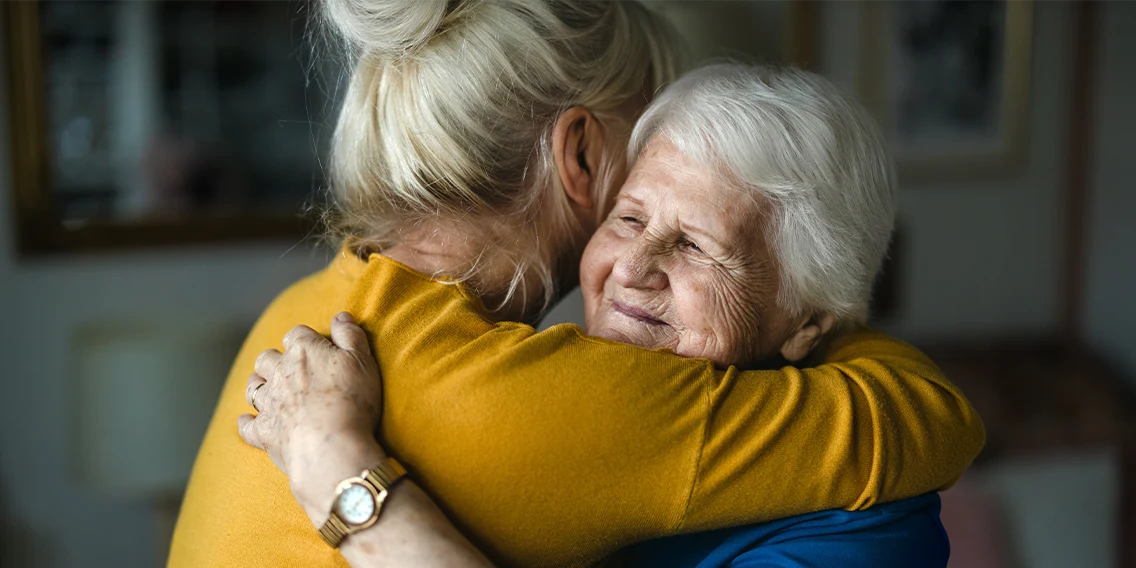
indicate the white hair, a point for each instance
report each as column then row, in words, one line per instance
column 814, row 153
column 450, row 109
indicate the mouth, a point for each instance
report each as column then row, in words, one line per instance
column 637, row 314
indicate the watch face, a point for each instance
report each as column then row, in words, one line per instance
column 355, row 505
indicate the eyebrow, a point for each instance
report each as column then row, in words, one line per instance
column 624, row 197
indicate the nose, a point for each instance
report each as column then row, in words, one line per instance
column 639, row 267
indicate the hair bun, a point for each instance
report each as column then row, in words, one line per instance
column 389, row 28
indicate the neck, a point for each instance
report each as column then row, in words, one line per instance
column 435, row 253
column 438, row 249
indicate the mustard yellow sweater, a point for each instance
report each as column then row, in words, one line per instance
column 556, row 448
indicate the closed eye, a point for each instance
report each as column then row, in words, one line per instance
column 631, row 221
column 689, row 245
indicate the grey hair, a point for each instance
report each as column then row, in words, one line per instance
column 450, row 109
column 814, row 153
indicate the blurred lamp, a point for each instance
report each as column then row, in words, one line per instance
column 143, row 391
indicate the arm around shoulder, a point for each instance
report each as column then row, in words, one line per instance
column 603, row 435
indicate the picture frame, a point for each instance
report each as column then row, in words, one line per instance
column 949, row 83
column 44, row 218
column 44, row 221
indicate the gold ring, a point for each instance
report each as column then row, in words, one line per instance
column 252, row 397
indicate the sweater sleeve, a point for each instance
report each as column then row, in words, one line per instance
column 876, row 422
column 559, row 448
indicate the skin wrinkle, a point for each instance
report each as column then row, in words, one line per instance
column 690, row 252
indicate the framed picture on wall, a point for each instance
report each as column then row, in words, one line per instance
column 142, row 124
column 949, row 83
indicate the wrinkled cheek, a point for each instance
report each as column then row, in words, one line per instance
column 744, row 345
column 597, row 262
column 592, row 276
column 734, row 323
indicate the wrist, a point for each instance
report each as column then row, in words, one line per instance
column 339, row 458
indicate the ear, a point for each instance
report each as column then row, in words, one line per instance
column 807, row 337
column 577, row 145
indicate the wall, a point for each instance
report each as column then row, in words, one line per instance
column 981, row 259
column 1110, row 290
column 46, row 518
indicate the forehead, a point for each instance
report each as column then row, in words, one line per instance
column 665, row 180
column 662, row 164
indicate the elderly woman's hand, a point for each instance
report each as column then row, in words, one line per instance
column 318, row 404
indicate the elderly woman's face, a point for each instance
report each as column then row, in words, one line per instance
column 682, row 263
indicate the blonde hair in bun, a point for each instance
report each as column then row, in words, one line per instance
column 390, row 28
column 449, row 114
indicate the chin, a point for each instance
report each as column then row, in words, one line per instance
column 608, row 333
column 630, row 336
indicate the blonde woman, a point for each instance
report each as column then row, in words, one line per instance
column 483, row 145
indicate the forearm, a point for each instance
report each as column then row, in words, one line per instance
column 411, row 530
column 849, row 434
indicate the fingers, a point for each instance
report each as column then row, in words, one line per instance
column 299, row 336
column 246, row 426
column 267, row 362
column 346, row 334
column 302, row 334
column 255, row 382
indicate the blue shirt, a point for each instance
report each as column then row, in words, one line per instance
column 903, row 534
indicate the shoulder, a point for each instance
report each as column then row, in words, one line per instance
column 309, row 299
column 893, row 535
column 863, row 342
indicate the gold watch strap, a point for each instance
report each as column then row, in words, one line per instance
column 333, row 531
column 386, row 474
column 382, row 478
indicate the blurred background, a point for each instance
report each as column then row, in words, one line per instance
column 159, row 162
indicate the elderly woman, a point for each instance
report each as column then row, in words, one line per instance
column 557, row 447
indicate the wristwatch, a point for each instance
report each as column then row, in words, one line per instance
column 358, row 501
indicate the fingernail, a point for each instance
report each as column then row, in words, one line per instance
column 345, row 317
